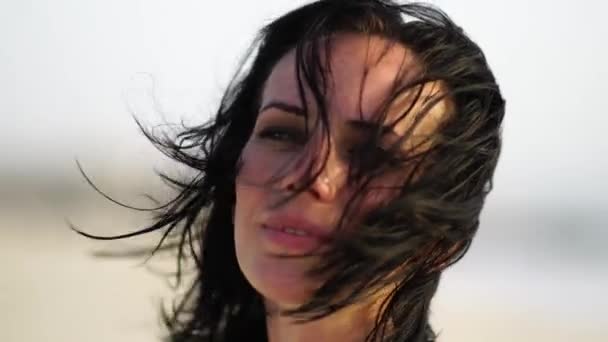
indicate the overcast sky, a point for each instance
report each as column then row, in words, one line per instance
column 71, row 73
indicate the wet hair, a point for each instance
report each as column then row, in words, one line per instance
column 403, row 245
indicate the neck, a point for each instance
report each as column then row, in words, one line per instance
column 350, row 324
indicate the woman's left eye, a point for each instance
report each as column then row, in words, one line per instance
column 375, row 155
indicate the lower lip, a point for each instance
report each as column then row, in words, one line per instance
column 291, row 242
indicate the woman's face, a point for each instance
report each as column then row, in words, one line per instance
column 271, row 237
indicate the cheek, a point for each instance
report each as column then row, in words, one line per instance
column 380, row 192
column 250, row 202
column 251, row 188
column 259, row 164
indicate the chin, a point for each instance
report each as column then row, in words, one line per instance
column 281, row 282
column 282, row 299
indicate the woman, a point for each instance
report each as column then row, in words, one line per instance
column 345, row 169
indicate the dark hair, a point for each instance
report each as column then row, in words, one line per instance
column 406, row 243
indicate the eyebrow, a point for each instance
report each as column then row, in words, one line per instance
column 285, row 107
column 362, row 125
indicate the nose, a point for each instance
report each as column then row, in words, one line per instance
column 331, row 172
column 331, row 179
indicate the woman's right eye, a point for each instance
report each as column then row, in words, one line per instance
column 282, row 134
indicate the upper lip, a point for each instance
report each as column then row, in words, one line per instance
column 297, row 222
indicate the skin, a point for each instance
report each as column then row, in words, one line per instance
column 283, row 282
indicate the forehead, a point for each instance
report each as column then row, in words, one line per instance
column 364, row 73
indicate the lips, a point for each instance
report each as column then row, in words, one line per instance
column 294, row 234
column 297, row 226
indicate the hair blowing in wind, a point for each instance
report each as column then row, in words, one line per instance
column 404, row 244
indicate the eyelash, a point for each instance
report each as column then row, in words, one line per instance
column 282, row 134
column 292, row 136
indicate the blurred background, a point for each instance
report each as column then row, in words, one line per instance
column 72, row 74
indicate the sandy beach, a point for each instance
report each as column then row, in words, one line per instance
column 54, row 289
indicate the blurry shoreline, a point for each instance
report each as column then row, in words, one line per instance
column 526, row 277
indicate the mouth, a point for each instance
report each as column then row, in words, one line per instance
column 290, row 230
column 289, row 235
